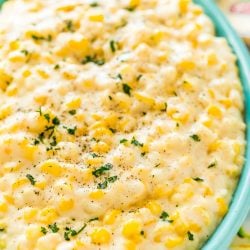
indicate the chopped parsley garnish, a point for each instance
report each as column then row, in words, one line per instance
column 31, row 179
column 126, row 89
column 136, row 143
column 195, row 137
column 142, row 232
column 25, row 52
column 108, row 180
column 113, row 46
column 198, row 179
column 131, row 9
column 71, row 232
column 123, row 140
column 113, row 130
column 94, row 4
column 56, row 121
column 138, row 78
column 164, row 215
column 119, row 76
column 2, row 229
column 72, row 112
column 44, row 230
column 93, row 59
column 212, row 165
column 54, row 228
column 103, row 169
column 242, row 234
column 94, row 155
column 71, row 131
column 42, row 38
column 93, row 219
column 190, row 236
column 47, row 117
column 57, row 66
column 69, row 26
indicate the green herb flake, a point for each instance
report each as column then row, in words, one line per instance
column 136, row 143
column 93, row 219
column 126, row 89
column 102, row 170
column 212, row 165
column 47, row 117
column 72, row 112
column 54, row 228
column 94, row 4
column 31, row 179
column 243, row 234
column 57, row 66
column 113, row 46
column 44, row 230
column 113, row 130
column 71, row 131
column 138, row 78
column 69, row 232
column 190, row 236
column 69, row 26
column 164, row 215
column 56, row 121
column 112, row 179
column 165, row 107
column 195, row 137
column 123, row 141
column 93, row 59
column 102, row 185
column 25, row 52
column 198, row 179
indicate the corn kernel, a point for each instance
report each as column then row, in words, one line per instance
column 186, row 65
column 65, row 205
column 100, row 236
column 96, row 195
column 132, row 229
column 5, row 79
column 214, row 146
column 194, row 227
column 154, row 207
column 3, row 207
column 111, row 216
column 173, row 241
column 134, row 3
column 10, row 199
column 14, row 45
column 222, row 206
column 162, row 231
column 51, row 167
column 19, row 183
column 96, row 18
column 5, row 111
column 144, row 98
column 100, row 147
column 30, row 214
column 74, row 103
column 226, row 102
column 47, row 215
column 130, row 245
column 183, row 5
column 40, row 184
column 33, row 233
column 11, row 167
column 3, row 244
column 215, row 111
column 212, row 59
column 12, row 90
column 43, row 74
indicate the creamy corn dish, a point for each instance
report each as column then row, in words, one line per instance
column 121, row 125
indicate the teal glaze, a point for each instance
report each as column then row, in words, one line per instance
column 240, row 205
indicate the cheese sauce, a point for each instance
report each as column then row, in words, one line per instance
column 120, row 125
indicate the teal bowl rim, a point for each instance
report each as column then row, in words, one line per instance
column 240, row 204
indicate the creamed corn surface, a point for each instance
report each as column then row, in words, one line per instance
column 120, row 125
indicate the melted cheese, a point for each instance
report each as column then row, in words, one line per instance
column 120, row 125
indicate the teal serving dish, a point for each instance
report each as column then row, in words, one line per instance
column 240, row 204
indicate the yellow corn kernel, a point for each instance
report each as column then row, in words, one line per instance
column 194, row 227
column 207, row 122
column 5, row 79
column 100, row 236
column 29, row 151
column 100, row 147
column 3, row 207
column 132, row 229
column 79, row 44
column 130, row 245
column 222, row 206
column 161, row 191
column 33, row 233
column 186, row 65
column 188, row 86
column 10, row 199
column 26, row 73
column 111, row 216
column 40, row 99
column 16, row 57
column 173, row 241
column 99, row 132
column 144, row 98
column 208, row 191
column 47, row 215
column 65, row 205
column 51, row 167
column 67, row 7
column 226, row 102
column 30, row 214
column 215, row 111
column 157, row 36
column 14, row 45
column 154, row 207
column 3, row 244
column 183, row 5
column 74, row 103
column 43, row 74
column 180, row 117
column 40, row 184
column 12, row 90
column 94, row 161
column 134, row 3
column 180, row 227
column 96, row 18
column 96, row 195
column 5, row 111
column 19, row 183
column 214, row 146
column 212, row 59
